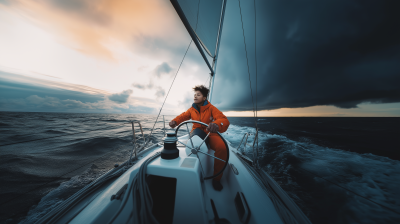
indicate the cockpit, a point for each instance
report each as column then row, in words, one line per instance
column 172, row 184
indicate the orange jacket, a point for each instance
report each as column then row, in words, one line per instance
column 207, row 114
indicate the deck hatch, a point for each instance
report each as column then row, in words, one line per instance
column 163, row 192
column 188, row 163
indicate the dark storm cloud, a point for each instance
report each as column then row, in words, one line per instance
column 341, row 53
column 121, row 97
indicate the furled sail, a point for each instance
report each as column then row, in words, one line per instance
column 203, row 20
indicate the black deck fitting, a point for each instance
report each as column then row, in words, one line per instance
column 170, row 150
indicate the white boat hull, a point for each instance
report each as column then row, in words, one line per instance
column 243, row 198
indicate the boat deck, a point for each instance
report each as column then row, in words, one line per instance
column 242, row 199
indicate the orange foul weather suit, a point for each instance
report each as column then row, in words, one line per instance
column 209, row 114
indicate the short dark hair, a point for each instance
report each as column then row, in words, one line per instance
column 204, row 90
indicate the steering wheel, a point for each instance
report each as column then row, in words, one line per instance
column 196, row 150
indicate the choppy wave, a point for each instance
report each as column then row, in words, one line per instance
column 288, row 161
column 58, row 195
column 54, row 132
column 297, row 165
column 4, row 124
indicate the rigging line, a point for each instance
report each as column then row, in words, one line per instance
column 206, row 81
column 191, row 40
column 168, row 92
column 197, row 19
column 33, row 140
column 209, row 82
column 247, row 59
column 38, row 187
column 198, row 38
column 255, row 58
column 384, row 206
column 255, row 52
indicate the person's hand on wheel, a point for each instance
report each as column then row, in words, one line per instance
column 172, row 124
column 213, row 128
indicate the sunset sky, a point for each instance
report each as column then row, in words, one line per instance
column 120, row 56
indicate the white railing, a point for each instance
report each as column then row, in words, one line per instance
column 255, row 149
column 134, row 146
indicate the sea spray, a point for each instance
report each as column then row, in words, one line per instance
column 296, row 165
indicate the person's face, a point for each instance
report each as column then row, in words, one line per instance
column 198, row 97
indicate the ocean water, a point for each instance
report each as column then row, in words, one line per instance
column 319, row 162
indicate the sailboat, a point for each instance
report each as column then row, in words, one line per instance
column 171, row 181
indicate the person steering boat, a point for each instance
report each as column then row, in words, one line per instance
column 202, row 110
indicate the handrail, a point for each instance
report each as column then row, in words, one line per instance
column 134, row 139
column 163, row 117
column 255, row 151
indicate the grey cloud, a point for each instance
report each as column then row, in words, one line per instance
column 160, row 92
column 16, row 86
column 36, row 103
column 138, row 86
column 22, row 93
column 4, row 2
column 76, row 104
column 35, row 99
column 85, row 9
column 167, row 50
column 339, row 53
column 142, row 86
column 187, row 101
column 161, row 69
column 121, row 97
column 55, row 103
column 71, row 4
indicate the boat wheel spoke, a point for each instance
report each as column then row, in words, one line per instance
column 211, row 156
column 201, row 166
column 187, row 128
column 198, row 148
column 185, row 145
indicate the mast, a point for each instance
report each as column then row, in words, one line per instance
column 183, row 8
column 192, row 34
column 215, row 59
